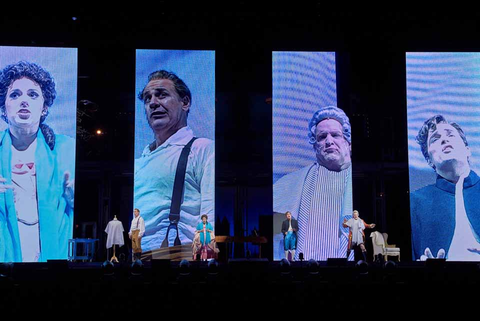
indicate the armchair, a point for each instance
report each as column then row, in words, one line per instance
column 381, row 246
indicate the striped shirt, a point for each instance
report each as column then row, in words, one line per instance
column 321, row 234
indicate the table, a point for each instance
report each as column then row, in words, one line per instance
column 87, row 246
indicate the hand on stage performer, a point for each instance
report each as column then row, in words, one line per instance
column 428, row 254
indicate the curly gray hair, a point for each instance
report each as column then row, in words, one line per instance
column 330, row 112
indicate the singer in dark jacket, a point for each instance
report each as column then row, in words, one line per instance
column 289, row 231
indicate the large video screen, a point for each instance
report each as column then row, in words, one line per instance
column 443, row 109
column 175, row 114
column 38, row 101
column 312, row 177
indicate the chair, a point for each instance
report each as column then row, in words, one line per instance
column 381, row 246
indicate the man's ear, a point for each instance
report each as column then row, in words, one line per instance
column 186, row 103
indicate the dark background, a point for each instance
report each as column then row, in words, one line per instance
column 371, row 86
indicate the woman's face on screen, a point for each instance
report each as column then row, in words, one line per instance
column 24, row 103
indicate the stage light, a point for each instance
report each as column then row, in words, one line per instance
column 362, row 267
column 285, row 265
column 107, row 268
column 184, row 275
column 184, row 267
column 390, row 265
column 6, row 269
column 212, row 266
column 137, row 267
column 99, row 132
column 312, row 266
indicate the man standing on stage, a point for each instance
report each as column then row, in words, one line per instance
column 356, row 235
column 289, row 231
column 319, row 196
column 137, row 229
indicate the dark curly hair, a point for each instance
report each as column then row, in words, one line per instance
column 34, row 72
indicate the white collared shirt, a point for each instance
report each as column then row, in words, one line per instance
column 463, row 237
column 138, row 224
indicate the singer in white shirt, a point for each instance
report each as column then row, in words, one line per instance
column 137, row 229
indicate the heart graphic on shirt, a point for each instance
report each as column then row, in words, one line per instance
column 18, row 168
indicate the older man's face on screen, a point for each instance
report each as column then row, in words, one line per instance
column 332, row 150
column 164, row 108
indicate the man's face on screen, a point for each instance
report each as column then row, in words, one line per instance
column 332, row 150
column 24, row 103
column 164, row 108
column 446, row 147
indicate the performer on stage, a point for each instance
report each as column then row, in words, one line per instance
column 356, row 236
column 289, row 231
column 137, row 229
column 204, row 240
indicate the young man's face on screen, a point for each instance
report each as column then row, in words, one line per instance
column 163, row 106
column 446, row 146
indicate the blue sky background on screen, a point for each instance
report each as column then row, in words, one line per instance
column 446, row 84
column 197, row 69
column 62, row 65
column 302, row 83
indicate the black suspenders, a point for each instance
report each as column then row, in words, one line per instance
column 177, row 193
